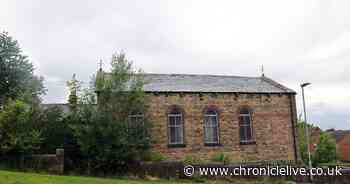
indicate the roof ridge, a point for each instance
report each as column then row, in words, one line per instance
column 212, row 75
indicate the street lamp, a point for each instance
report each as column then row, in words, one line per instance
column 306, row 127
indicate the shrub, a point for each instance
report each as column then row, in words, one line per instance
column 190, row 160
column 153, row 157
column 221, row 157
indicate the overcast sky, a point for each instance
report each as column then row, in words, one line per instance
column 296, row 41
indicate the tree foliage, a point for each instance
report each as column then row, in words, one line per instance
column 120, row 91
column 302, row 141
column 102, row 129
column 325, row 150
column 18, row 133
column 54, row 129
column 16, row 76
column 74, row 88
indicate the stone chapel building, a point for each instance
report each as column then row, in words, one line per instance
column 247, row 118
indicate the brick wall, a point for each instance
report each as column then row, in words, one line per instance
column 272, row 118
column 343, row 148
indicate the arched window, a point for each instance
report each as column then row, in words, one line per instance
column 245, row 126
column 175, row 126
column 136, row 123
column 211, row 127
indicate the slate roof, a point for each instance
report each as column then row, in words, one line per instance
column 339, row 134
column 64, row 106
column 211, row 83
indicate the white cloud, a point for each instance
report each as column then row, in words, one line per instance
column 336, row 48
column 295, row 40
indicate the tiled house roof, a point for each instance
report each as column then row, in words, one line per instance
column 339, row 134
column 211, row 83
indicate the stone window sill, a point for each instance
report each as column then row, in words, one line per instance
column 247, row 143
column 212, row 144
column 176, row 145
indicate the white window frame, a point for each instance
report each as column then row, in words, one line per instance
column 211, row 126
column 177, row 126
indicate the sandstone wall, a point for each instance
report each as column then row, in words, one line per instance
column 272, row 125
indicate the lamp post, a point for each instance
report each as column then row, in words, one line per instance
column 306, row 127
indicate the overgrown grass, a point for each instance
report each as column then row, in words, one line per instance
column 8, row 177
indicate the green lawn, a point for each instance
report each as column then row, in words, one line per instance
column 7, row 177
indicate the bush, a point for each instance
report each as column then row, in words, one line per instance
column 153, row 157
column 221, row 157
column 191, row 160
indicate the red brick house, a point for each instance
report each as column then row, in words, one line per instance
column 246, row 118
column 342, row 138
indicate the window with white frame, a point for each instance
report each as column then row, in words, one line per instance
column 211, row 127
column 245, row 126
column 175, row 126
column 136, row 123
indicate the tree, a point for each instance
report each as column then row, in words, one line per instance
column 121, row 91
column 74, row 88
column 302, row 141
column 102, row 130
column 16, row 76
column 325, row 150
column 18, row 134
column 54, row 129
